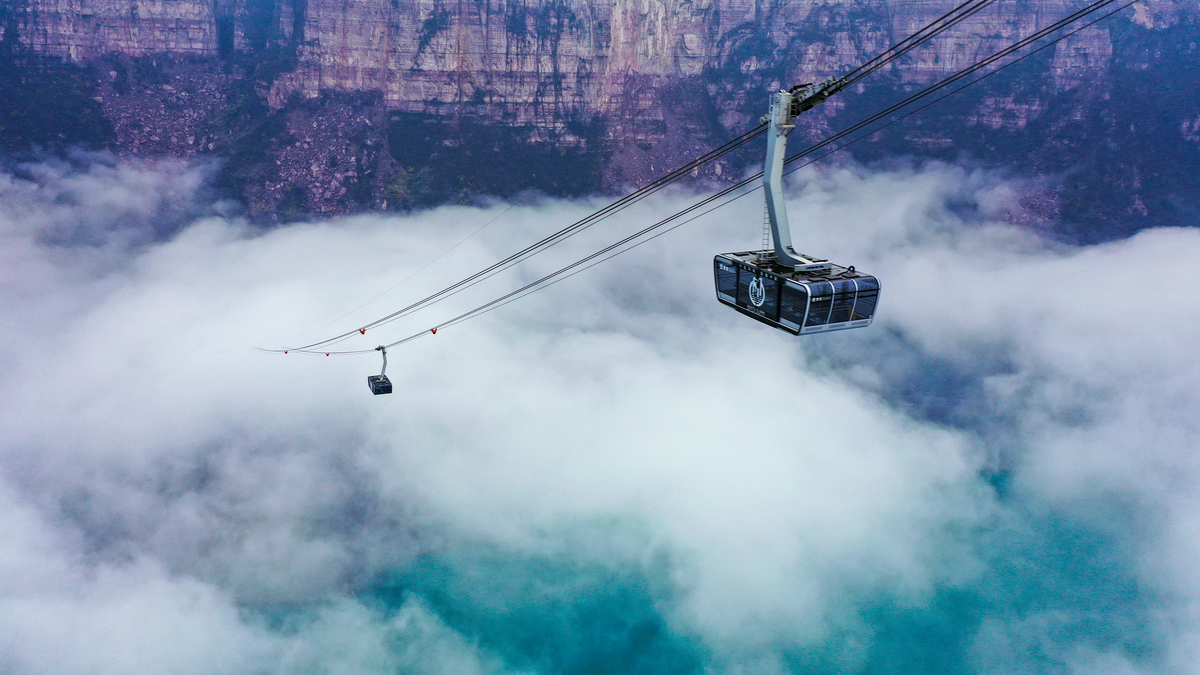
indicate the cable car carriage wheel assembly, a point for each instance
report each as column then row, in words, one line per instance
column 791, row 291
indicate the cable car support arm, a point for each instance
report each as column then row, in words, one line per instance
column 786, row 105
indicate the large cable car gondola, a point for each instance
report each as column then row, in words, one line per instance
column 380, row 384
column 791, row 291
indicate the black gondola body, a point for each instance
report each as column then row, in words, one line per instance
column 821, row 300
column 379, row 384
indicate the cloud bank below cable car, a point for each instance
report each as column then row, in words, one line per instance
column 997, row 475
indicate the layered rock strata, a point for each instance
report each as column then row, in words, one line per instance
column 640, row 84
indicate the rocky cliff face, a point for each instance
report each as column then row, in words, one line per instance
column 333, row 106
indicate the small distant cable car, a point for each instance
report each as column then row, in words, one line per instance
column 780, row 287
column 380, row 384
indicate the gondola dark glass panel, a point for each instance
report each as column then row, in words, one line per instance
column 726, row 281
column 868, row 293
column 758, row 293
column 819, row 304
column 792, row 304
column 745, row 278
column 379, row 384
column 844, row 293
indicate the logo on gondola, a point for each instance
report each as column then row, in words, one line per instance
column 758, row 294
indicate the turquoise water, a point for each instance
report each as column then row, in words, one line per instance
column 1047, row 588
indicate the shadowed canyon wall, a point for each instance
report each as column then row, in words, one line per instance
column 335, row 106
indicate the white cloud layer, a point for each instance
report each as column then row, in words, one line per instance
column 618, row 445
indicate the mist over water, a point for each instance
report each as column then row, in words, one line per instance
column 616, row 474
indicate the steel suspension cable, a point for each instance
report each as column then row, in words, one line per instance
column 1024, row 42
column 546, row 242
column 616, row 206
column 927, row 32
column 812, row 161
column 917, row 35
column 951, row 18
column 558, row 275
